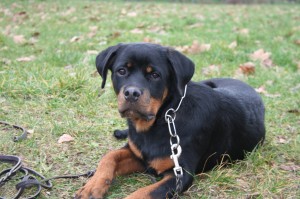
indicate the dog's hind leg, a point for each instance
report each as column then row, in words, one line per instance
column 165, row 188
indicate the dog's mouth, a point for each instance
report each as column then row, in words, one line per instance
column 135, row 114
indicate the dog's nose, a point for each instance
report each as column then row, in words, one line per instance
column 132, row 93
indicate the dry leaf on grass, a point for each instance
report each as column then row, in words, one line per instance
column 19, row 39
column 131, row 14
column 297, row 42
column 76, row 39
column 262, row 90
column 262, row 56
column 93, row 31
column 30, row 131
column 115, row 35
column 137, row 31
column 157, row 29
column 69, row 11
column 92, row 52
column 151, row 40
column 290, row 166
column 247, row 68
column 65, row 138
column 232, row 45
column 211, row 70
column 281, row 139
column 195, row 48
column 195, row 25
column 243, row 31
column 26, row 59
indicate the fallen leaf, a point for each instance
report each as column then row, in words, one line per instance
column 261, row 89
column 30, row 131
column 19, row 39
column 232, row 45
column 69, row 11
column 93, row 28
column 195, row 25
column 260, row 55
column 35, row 34
column 195, row 48
column 26, row 59
column 93, row 31
column 295, row 111
column 280, row 139
column 247, row 68
column 244, row 31
column 151, row 40
column 115, row 35
column 157, row 29
column 297, row 42
column 290, row 166
column 91, row 34
column 137, row 31
column 147, row 40
column 211, row 70
column 5, row 61
column 132, row 14
column 92, row 52
column 267, row 63
column 65, row 138
column 68, row 67
column 75, row 39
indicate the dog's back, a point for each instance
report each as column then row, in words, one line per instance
column 240, row 103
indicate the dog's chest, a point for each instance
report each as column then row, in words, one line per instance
column 154, row 153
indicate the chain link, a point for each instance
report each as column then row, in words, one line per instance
column 176, row 149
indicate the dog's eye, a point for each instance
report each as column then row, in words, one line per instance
column 155, row 75
column 122, row 71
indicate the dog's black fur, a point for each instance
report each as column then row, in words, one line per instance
column 217, row 116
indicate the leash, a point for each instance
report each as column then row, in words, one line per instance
column 30, row 177
column 17, row 138
column 176, row 149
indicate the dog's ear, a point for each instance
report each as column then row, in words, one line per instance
column 104, row 61
column 182, row 67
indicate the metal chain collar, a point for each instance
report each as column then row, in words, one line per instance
column 176, row 149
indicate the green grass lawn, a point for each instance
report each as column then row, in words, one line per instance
column 48, row 84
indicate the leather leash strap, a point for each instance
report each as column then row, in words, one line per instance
column 30, row 177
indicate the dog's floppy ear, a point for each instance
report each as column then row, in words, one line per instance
column 183, row 68
column 105, row 60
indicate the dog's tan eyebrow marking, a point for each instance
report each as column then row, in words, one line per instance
column 149, row 69
column 129, row 64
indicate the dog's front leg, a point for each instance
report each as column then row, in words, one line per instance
column 119, row 162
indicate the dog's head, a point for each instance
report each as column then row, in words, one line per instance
column 143, row 75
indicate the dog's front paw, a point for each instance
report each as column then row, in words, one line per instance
column 93, row 190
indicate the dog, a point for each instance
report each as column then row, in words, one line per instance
column 216, row 120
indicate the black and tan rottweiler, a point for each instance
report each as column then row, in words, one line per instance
column 216, row 117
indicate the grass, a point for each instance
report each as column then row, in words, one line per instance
column 56, row 91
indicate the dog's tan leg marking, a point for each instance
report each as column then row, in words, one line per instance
column 118, row 162
column 145, row 192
